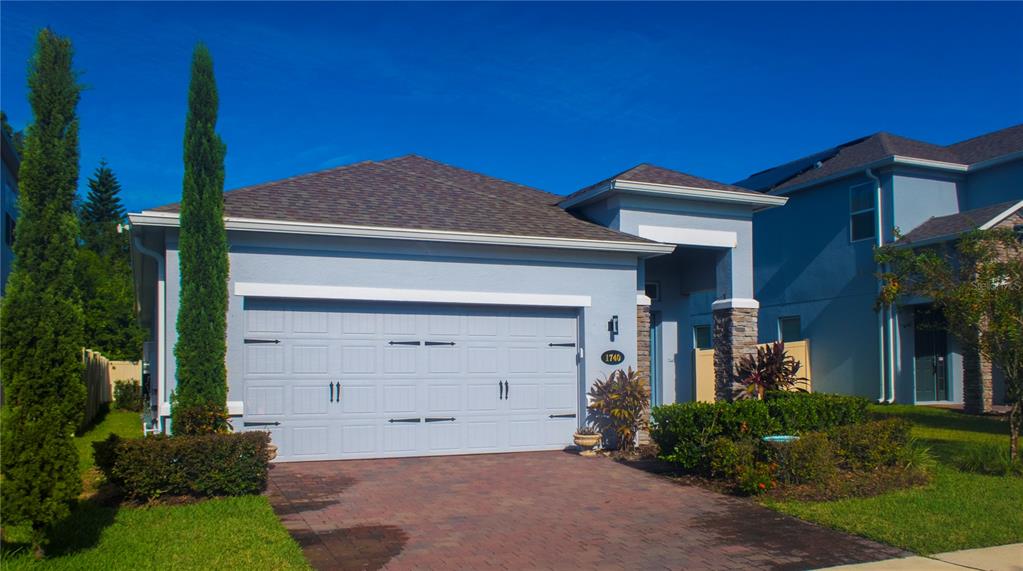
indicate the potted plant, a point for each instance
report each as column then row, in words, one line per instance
column 587, row 438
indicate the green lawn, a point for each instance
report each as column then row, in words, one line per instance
column 226, row 533
column 957, row 510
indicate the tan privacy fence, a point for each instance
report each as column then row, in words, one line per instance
column 703, row 361
column 100, row 376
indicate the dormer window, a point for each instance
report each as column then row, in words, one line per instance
column 862, row 210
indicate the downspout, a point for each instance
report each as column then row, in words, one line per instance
column 879, row 241
column 161, row 318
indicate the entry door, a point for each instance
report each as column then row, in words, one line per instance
column 930, row 355
column 334, row 380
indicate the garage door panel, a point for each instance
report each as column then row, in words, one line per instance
column 310, row 322
column 401, row 437
column 264, row 321
column 482, row 435
column 358, row 398
column 482, row 396
column 555, row 430
column 520, row 326
column 400, row 359
column 523, row 433
column 443, row 359
column 444, row 436
column 264, row 359
column 265, row 399
column 482, row 359
column 443, row 397
column 523, row 359
column 559, row 360
column 309, row 440
column 310, row 399
column 358, row 438
column 310, row 359
column 400, row 398
column 400, row 323
column 523, row 396
column 444, row 325
column 481, row 325
column 358, row 359
column 559, row 397
column 359, row 323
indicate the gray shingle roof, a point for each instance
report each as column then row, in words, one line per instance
column 955, row 224
column 990, row 145
column 414, row 193
column 863, row 151
column 646, row 172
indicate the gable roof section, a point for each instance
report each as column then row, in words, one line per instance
column 654, row 180
column 855, row 153
column 412, row 193
column 991, row 145
column 937, row 228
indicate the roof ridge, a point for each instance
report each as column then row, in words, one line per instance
column 451, row 166
column 989, row 133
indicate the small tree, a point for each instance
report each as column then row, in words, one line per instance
column 978, row 285
column 770, row 369
column 101, row 213
column 200, row 401
column 619, row 404
column 41, row 318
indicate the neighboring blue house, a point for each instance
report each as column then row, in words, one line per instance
column 8, row 209
column 814, row 269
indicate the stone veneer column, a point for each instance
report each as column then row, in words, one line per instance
column 978, row 386
column 735, row 335
column 643, row 357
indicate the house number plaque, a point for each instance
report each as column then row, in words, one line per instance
column 612, row 357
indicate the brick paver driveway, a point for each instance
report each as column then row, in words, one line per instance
column 547, row 510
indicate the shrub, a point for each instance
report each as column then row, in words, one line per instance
column 870, row 445
column 684, row 431
column 205, row 465
column 200, row 419
column 770, row 369
column 128, row 395
column 809, row 412
column 809, row 460
column 989, row 459
column 619, row 403
column 727, row 457
column 756, row 478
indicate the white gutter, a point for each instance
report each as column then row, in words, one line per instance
column 879, row 241
column 674, row 191
column 171, row 219
column 161, row 318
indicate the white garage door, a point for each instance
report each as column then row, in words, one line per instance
column 333, row 380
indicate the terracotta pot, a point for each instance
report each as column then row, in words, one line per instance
column 586, row 441
column 271, row 451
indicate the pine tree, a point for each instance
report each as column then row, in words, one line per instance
column 102, row 212
column 104, row 272
column 41, row 318
column 200, row 401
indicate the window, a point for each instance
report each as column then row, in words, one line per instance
column 861, row 212
column 653, row 291
column 702, row 337
column 789, row 329
column 8, row 230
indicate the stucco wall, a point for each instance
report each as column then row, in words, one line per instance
column 608, row 278
column 993, row 185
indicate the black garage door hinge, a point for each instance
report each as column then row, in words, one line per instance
column 274, row 341
column 561, row 344
column 261, row 423
column 562, row 416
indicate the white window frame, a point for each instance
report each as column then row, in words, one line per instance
column 852, row 213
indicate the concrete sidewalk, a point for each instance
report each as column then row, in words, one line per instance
column 1001, row 558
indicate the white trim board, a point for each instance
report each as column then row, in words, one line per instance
column 1002, row 216
column 689, row 236
column 673, row 191
column 171, row 219
column 302, row 291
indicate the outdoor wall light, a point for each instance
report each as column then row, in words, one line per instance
column 612, row 325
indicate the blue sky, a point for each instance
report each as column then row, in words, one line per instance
column 556, row 96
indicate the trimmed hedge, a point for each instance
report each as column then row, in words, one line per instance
column 684, row 431
column 206, row 465
column 871, row 445
column 809, row 412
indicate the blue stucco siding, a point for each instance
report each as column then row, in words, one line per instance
column 608, row 278
column 993, row 185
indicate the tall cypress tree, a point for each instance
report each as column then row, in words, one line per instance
column 102, row 212
column 41, row 317
column 200, row 401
